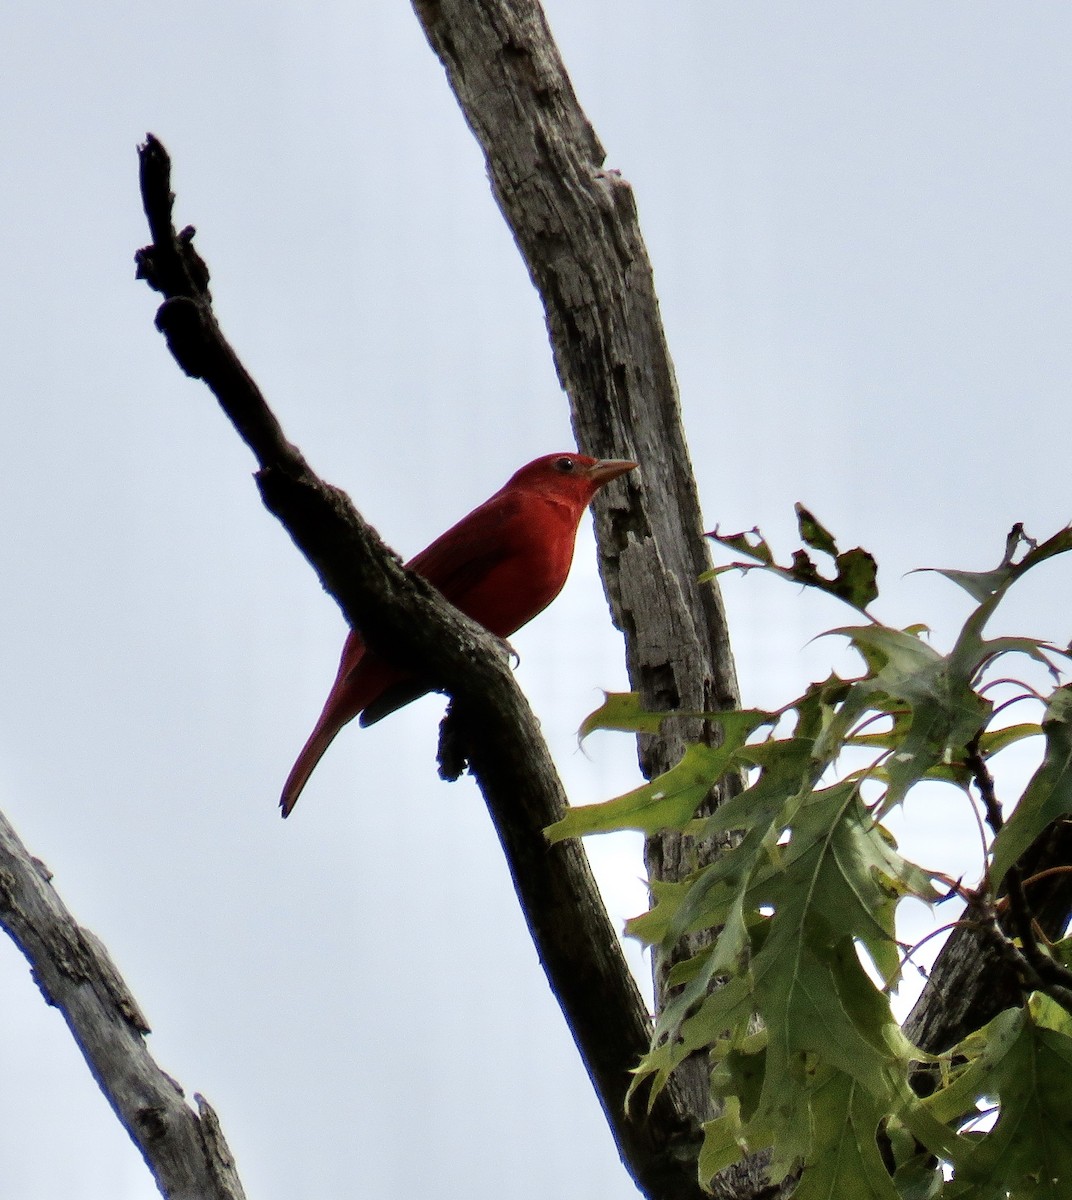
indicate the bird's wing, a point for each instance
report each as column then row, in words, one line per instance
column 391, row 699
column 462, row 558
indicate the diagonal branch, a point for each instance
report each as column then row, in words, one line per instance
column 403, row 619
column 185, row 1150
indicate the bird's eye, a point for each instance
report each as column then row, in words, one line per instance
column 564, row 464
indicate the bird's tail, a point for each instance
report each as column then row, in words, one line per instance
column 344, row 702
column 363, row 681
column 312, row 752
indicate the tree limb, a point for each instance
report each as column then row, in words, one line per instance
column 972, row 980
column 576, row 226
column 407, row 622
column 185, row 1150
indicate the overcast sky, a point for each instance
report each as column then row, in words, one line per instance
column 858, row 216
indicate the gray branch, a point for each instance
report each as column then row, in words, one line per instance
column 185, row 1150
column 575, row 223
column 576, row 226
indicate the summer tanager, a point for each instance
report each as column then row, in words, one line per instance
column 501, row 565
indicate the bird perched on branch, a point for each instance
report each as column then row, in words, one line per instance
column 501, row 565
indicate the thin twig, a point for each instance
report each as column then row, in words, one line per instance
column 984, row 782
column 906, row 958
column 1049, row 873
column 1036, row 968
column 1033, row 968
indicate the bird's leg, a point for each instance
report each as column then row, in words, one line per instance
column 513, row 659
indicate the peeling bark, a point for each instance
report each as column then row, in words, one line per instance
column 185, row 1150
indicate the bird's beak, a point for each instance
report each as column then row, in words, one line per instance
column 609, row 468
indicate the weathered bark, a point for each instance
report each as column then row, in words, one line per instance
column 972, row 982
column 407, row 622
column 185, row 1150
column 576, row 226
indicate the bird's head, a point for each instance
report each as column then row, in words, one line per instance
column 575, row 477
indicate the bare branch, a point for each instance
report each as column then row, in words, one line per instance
column 185, row 1150
column 405, row 621
column 984, row 784
column 172, row 267
column 575, row 223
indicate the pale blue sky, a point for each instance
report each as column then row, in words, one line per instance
column 859, row 218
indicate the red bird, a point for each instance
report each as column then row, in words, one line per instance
column 501, row 565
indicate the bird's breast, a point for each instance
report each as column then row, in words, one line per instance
column 531, row 572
